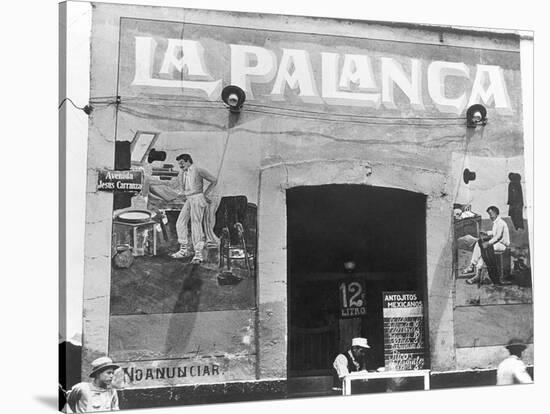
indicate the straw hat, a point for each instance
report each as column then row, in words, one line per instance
column 102, row 364
column 362, row 342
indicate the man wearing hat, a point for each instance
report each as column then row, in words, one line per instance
column 512, row 370
column 355, row 359
column 97, row 395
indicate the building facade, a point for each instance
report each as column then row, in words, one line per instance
column 349, row 192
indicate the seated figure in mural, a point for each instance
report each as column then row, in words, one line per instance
column 512, row 370
column 357, row 358
column 495, row 240
column 97, row 395
column 190, row 182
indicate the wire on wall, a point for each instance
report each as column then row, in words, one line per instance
column 134, row 102
column 87, row 109
column 179, row 101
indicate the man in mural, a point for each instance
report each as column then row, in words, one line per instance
column 191, row 183
column 97, row 395
column 355, row 359
column 495, row 240
column 512, row 370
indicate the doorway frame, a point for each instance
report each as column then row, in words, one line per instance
column 276, row 178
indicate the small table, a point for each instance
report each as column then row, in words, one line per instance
column 150, row 224
column 346, row 383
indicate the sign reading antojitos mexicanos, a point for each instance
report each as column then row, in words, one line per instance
column 403, row 331
column 125, row 181
column 333, row 70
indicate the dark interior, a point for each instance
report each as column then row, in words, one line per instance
column 376, row 227
column 381, row 229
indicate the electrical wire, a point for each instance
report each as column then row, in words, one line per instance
column 353, row 115
column 326, row 118
column 163, row 117
column 182, row 102
column 174, row 106
column 102, row 101
column 71, row 101
column 329, row 118
column 352, row 121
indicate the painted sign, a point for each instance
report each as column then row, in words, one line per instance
column 403, row 331
column 123, row 181
column 198, row 370
column 136, row 374
column 289, row 67
column 352, row 299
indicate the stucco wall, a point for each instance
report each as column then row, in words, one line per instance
column 266, row 154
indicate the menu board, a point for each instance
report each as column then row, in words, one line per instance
column 403, row 331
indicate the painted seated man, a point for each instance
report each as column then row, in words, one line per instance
column 495, row 240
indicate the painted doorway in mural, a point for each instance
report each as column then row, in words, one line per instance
column 382, row 231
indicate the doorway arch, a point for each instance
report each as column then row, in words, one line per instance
column 276, row 179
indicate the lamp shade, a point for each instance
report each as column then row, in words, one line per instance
column 476, row 115
column 234, row 97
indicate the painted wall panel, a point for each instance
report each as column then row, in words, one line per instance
column 492, row 325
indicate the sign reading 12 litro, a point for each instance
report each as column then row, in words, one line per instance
column 352, row 299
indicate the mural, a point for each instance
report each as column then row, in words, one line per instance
column 491, row 257
column 491, row 245
column 180, row 248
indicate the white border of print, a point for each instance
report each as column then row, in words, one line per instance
column 29, row 208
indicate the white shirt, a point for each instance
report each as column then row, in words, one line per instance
column 190, row 182
column 500, row 232
column 512, row 371
column 86, row 397
column 341, row 364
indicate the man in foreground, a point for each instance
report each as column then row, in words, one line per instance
column 355, row 359
column 97, row 395
column 512, row 370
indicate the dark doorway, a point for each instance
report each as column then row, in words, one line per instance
column 383, row 231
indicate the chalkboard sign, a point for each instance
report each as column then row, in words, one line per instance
column 403, row 331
